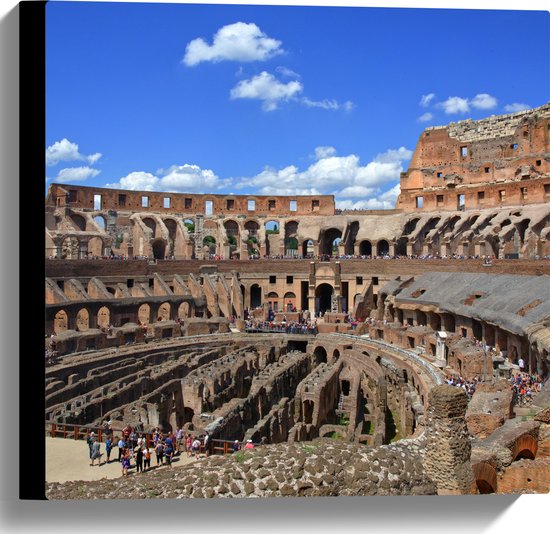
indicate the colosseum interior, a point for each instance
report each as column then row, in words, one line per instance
column 325, row 336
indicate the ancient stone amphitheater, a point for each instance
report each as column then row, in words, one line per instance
column 326, row 337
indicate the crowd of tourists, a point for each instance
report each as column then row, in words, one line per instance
column 285, row 327
column 525, row 386
column 469, row 386
column 139, row 449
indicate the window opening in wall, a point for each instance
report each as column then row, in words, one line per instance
column 375, row 280
column 290, row 279
column 359, row 280
column 345, row 387
column 293, row 205
column 460, row 202
column 230, row 204
column 487, row 170
column 523, row 193
column 188, row 203
column 480, row 196
column 72, row 195
column 97, row 202
column 440, row 175
column 122, row 200
column 514, row 146
column 440, row 200
column 151, row 282
column 409, row 321
column 271, row 205
column 463, row 151
column 130, row 282
column 502, row 195
column 272, row 279
column 419, row 202
column 315, row 205
column 251, row 204
column 208, row 207
column 463, row 332
column 166, row 202
column 144, row 202
column 538, row 163
column 547, row 189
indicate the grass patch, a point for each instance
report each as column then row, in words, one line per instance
column 308, row 449
column 336, row 435
column 239, row 456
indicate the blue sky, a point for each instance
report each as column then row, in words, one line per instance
column 273, row 99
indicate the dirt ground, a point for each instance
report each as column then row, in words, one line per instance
column 68, row 459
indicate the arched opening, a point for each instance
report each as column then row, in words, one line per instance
column 291, row 243
column 163, row 313
column 308, row 250
column 486, row 478
column 335, row 354
column 79, row 222
column 273, row 299
column 159, row 248
column 271, row 237
column 188, row 415
column 323, row 298
column 345, row 387
column 308, row 412
column 289, row 301
column 320, row 355
column 82, row 320
column 525, row 448
column 210, row 243
column 183, row 310
column 103, row 317
column 365, row 248
column 144, row 314
column 100, row 222
column 329, row 241
column 382, row 248
column 484, row 487
column 351, row 234
column 172, row 227
column 291, row 247
column 60, row 322
column 255, row 296
column 190, row 225
column 151, row 224
column 95, row 246
column 252, row 242
column 232, row 232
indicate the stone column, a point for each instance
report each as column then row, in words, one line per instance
column 448, row 449
column 82, row 249
column 392, row 248
column 409, row 248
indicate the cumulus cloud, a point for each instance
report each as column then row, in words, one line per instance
column 65, row 150
column 342, row 176
column 426, row 99
column 289, row 73
column 234, row 42
column 75, row 174
column 455, row 104
column 324, row 152
column 267, row 88
column 177, row 178
column 515, row 107
column 425, row 117
column 384, row 200
column 484, row 101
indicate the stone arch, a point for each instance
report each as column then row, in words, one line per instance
column 144, row 314
column 82, row 320
column 525, row 447
column 172, row 227
column 272, row 233
column 273, row 299
column 232, row 231
column 184, row 310
column 151, row 224
column 255, row 296
column 308, row 248
column 323, row 297
column 289, row 301
column 328, row 240
column 335, row 354
column 486, row 477
column 78, row 221
column 210, row 242
column 401, row 246
column 164, row 311
column 159, row 248
column 103, row 317
column 60, row 322
column 365, row 248
column 320, row 354
column 100, row 222
column 351, row 232
column 382, row 248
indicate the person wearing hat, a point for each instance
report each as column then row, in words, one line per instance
column 249, row 444
column 139, row 459
column 235, row 446
column 90, row 441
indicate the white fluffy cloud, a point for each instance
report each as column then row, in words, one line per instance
column 289, row 73
column 484, row 101
column 426, row 99
column 267, row 88
column 234, row 42
column 342, row 176
column 178, row 178
column 75, row 174
column 425, row 117
column 455, row 104
column 65, row 150
column 385, row 200
column 515, row 107
column 324, row 152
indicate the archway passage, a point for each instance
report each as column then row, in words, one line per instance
column 323, row 298
column 320, row 355
column 159, row 249
column 103, row 317
column 308, row 249
column 382, row 247
column 144, row 314
column 255, row 296
column 484, row 487
column 329, row 240
column 365, row 248
column 82, row 320
column 60, row 322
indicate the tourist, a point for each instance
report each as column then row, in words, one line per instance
column 521, row 364
column 121, row 446
column 179, row 439
column 195, row 447
column 188, row 442
column 235, row 446
column 96, row 452
column 147, row 458
column 249, row 444
column 206, row 444
column 90, row 441
column 125, row 461
column 168, row 452
column 159, row 450
column 139, row 459
column 108, row 448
